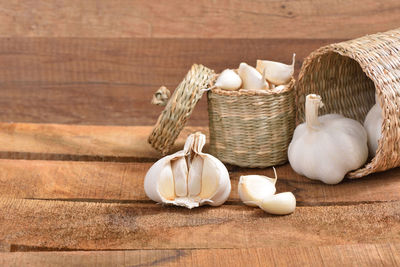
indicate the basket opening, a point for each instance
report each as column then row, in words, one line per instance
column 342, row 84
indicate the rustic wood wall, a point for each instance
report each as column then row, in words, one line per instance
column 98, row 62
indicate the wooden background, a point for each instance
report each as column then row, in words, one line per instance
column 76, row 80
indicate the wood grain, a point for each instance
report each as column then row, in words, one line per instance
column 82, row 142
column 123, row 182
column 197, row 19
column 98, row 226
column 104, row 179
column 111, row 81
column 343, row 255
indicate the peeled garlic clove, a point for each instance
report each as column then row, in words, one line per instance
column 252, row 79
column 254, row 188
column 228, row 80
column 276, row 72
column 279, row 204
column 188, row 178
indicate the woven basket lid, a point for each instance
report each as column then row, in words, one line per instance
column 180, row 107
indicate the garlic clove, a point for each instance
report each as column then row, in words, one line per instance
column 166, row 184
column 252, row 79
column 276, row 72
column 195, row 176
column 228, row 80
column 209, row 181
column 279, row 204
column 223, row 189
column 254, row 188
column 180, row 172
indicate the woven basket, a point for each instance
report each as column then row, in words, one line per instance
column 347, row 75
column 251, row 128
column 180, row 107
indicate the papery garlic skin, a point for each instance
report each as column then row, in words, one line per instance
column 325, row 148
column 279, row 204
column 228, row 80
column 276, row 72
column 254, row 188
column 251, row 78
column 188, row 178
column 373, row 125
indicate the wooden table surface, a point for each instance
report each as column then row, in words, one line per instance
column 75, row 88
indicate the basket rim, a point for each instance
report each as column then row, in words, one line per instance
column 254, row 92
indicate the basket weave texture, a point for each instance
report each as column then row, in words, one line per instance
column 180, row 107
column 251, row 128
column 347, row 75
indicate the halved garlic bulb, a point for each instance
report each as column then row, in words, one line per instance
column 251, row 78
column 276, row 72
column 188, row 178
column 254, row 188
column 228, row 80
column 279, row 204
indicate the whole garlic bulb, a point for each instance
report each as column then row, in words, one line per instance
column 188, row 178
column 327, row 147
column 228, row 80
column 251, row 78
column 276, row 72
column 373, row 124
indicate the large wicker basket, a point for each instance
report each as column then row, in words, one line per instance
column 251, row 128
column 347, row 75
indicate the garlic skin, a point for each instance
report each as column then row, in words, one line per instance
column 188, row 178
column 254, row 188
column 251, row 78
column 279, row 204
column 325, row 148
column 228, row 80
column 373, row 125
column 276, row 72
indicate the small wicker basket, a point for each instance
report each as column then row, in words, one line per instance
column 251, row 128
column 347, row 75
column 248, row 128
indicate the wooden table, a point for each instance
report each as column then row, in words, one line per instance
column 75, row 116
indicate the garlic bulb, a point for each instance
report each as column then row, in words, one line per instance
column 279, row 204
column 373, row 125
column 276, row 72
column 188, row 178
column 254, row 188
column 327, row 147
column 228, row 80
column 251, row 78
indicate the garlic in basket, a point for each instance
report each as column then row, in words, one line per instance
column 276, row 72
column 188, row 178
column 327, row 147
column 373, row 125
column 228, row 80
column 251, row 78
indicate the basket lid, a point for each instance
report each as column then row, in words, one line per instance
column 179, row 107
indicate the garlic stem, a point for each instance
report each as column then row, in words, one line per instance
column 313, row 103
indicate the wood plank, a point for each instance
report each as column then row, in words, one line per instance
column 104, row 226
column 111, row 81
column 343, row 255
column 82, row 142
column 123, row 182
column 194, row 19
